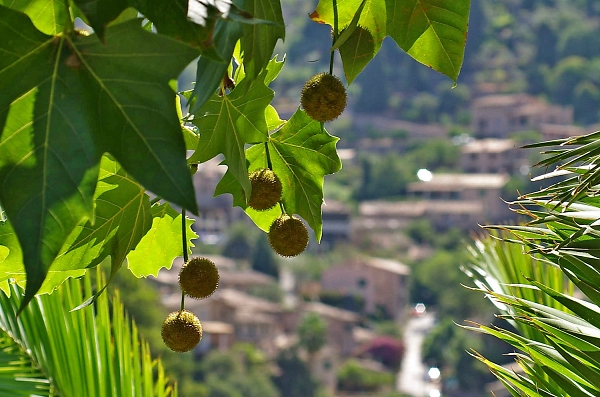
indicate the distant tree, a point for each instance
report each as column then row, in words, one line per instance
column 312, row 332
column 239, row 242
column 263, row 260
column 295, row 379
column 352, row 377
column 241, row 372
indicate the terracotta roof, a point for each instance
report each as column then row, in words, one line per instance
column 216, row 327
column 245, row 301
column 387, row 265
column 244, row 277
column 331, row 312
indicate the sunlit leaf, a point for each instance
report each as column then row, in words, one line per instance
column 83, row 98
column 161, row 244
column 258, row 41
column 302, row 153
column 48, row 16
column 226, row 123
column 433, row 32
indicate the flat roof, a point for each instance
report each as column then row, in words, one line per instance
column 442, row 182
column 489, row 146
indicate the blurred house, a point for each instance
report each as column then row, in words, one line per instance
column 496, row 116
column 252, row 319
column 551, row 132
column 387, row 217
column 364, row 122
column 215, row 213
column 493, row 156
column 463, row 190
column 382, row 283
column 336, row 223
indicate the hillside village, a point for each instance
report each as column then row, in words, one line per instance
column 362, row 287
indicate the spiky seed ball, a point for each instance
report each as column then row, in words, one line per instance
column 288, row 236
column 323, row 97
column 181, row 331
column 199, row 278
column 266, row 189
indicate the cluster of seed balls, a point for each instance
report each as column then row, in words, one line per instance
column 323, row 99
column 287, row 235
column 198, row 279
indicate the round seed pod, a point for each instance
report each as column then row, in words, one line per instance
column 288, row 236
column 323, row 97
column 199, row 278
column 181, row 331
column 266, row 189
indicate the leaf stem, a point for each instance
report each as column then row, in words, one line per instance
column 185, row 250
column 184, row 236
column 269, row 163
column 335, row 34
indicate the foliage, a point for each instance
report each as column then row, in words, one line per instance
column 446, row 347
column 346, row 301
column 295, row 379
column 557, row 341
column 91, row 352
column 312, row 332
column 435, row 281
column 89, row 120
column 263, row 260
column 239, row 242
column 242, row 371
column 352, row 377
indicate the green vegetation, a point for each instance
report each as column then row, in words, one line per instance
column 97, row 351
column 352, row 377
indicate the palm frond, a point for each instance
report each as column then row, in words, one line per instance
column 93, row 352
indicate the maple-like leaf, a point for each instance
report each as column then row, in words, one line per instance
column 161, row 244
column 433, row 32
column 301, row 153
column 227, row 123
column 82, row 98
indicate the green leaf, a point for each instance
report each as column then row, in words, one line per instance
column 122, row 217
column 136, row 119
column 229, row 122
column 357, row 52
column 210, row 72
column 100, row 13
column 12, row 270
column 161, row 244
column 83, row 98
column 20, row 376
column 48, row 168
column 433, row 32
column 258, row 41
column 48, row 16
column 365, row 38
column 302, row 153
column 95, row 352
column 171, row 19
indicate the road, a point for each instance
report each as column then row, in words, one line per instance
column 412, row 377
